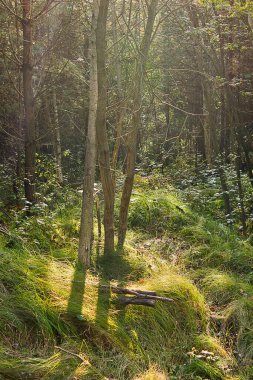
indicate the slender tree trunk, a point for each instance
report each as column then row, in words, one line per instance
column 19, row 147
column 86, row 227
column 98, row 217
column 57, row 141
column 102, row 139
column 240, row 192
column 120, row 98
column 136, row 122
column 20, row 105
column 29, row 120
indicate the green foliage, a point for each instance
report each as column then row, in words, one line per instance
column 156, row 212
column 204, row 192
column 7, row 196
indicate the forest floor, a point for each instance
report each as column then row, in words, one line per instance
column 57, row 321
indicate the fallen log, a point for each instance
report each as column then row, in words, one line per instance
column 138, row 293
column 135, row 301
column 148, row 295
column 118, row 290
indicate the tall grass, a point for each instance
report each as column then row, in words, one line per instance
column 58, row 322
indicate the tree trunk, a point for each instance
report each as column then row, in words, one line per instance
column 136, row 122
column 86, row 227
column 102, row 139
column 19, row 121
column 57, row 141
column 120, row 115
column 29, row 120
column 240, row 192
column 210, row 125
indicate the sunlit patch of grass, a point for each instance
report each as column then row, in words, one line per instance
column 212, row 243
column 72, row 290
column 60, row 365
column 155, row 212
column 209, row 343
column 152, row 374
column 135, row 332
column 27, row 313
column 222, row 288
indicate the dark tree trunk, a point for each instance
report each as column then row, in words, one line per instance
column 29, row 120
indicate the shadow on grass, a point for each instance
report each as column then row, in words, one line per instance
column 114, row 267
column 104, row 294
column 75, row 301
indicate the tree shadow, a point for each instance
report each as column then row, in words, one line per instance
column 104, row 294
column 103, row 303
column 112, row 267
column 76, row 296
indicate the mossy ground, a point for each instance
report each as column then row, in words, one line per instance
column 58, row 322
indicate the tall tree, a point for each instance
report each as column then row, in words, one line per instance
column 140, row 66
column 57, row 140
column 29, row 120
column 86, row 227
column 102, row 137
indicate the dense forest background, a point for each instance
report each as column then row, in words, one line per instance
column 183, row 101
column 120, row 119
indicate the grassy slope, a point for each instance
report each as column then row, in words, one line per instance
column 57, row 322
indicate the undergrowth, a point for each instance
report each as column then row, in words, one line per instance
column 58, row 321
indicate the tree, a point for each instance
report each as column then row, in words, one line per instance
column 27, row 20
column 102, row 137
column 29, row 120
column 140, row 66
column 86, row 227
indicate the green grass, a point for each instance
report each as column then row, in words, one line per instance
column 47, row 301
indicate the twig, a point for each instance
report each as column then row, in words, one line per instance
column 73, row 354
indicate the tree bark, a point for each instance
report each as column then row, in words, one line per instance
column 102, row 139
column 57, row 141
column 136, row 122
column 86, row 227
column 123, row 300
column 120, row 115
column 29, row 119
